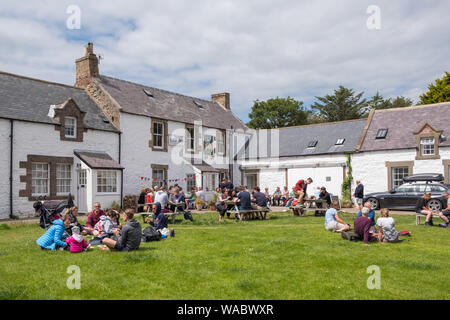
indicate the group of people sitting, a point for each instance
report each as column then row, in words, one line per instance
column 296, row 195
column 105, row 228
column 421, row 208
column 240, row 196
column 365, row 226
column 168, row 199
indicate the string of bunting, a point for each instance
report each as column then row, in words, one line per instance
column 167, row 180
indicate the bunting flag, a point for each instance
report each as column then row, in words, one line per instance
column 166, row 180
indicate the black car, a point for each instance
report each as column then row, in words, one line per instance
column 406, row 195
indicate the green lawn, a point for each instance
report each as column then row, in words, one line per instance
column 285, row 257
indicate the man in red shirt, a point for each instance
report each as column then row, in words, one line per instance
column 300, row 189
column 362, row 226
column 93, row 218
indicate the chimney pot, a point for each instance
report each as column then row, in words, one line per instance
column 223, row 99
column 87, row 66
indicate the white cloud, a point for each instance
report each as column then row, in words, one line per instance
column 252, row 49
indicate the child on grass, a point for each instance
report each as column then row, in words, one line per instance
column 53, row 238
column 76, row 241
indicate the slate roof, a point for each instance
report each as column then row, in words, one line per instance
column 97, row 160
column 204, row 167
column 293, row 141
column 23, row 98
column 402, row 123
column 168, row 105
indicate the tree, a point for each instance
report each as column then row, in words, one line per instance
column 277, row 113
column 343, row 105
column 437, row 92
column 378, row 102
column 401, row 102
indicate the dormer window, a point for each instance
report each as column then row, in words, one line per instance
column 340, row 142
column 70, row 127
column 312, row 144
column 427, row 146
column 381, row 134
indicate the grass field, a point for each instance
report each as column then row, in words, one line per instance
column 285, row 257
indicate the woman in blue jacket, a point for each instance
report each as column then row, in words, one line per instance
column 53, row 238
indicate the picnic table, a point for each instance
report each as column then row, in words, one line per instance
column 250, row 214
column 319, row 204
column 172, row 215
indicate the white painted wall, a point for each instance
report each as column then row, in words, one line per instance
column 137, row 156
column 4, row 168
column 317, row 167
column 42, row 139
column 370, row 167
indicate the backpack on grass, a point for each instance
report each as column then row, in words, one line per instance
column 150, row 234
column 351, row 236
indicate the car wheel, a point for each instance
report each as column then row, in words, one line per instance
column 434, row 204
column 374, row 202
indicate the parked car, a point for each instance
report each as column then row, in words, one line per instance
column 406, row 195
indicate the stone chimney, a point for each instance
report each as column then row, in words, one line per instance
column 87, row 67
column 223, row 99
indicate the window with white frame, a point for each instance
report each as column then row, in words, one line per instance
column 158, row 135
column 220, row 142
column 209, row 181
column 39, row 179
column 190, row 139
column 398, row 173
column 159, row 175
column 190, row 182
column 427, row 146
column 106, row 181
column 70, row 127
column 63, row 178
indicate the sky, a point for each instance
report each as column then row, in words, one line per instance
column 251, row 49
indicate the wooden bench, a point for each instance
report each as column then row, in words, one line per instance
column 252, row 214
column 298, row 208
column 419, row 215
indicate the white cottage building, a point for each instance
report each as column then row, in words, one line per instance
column 281, row 157
column 167, row 138
column 47, row 130
column 399, row 142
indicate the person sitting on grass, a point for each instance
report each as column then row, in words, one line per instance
column 93, row 218
column 371, row 216
column 72, row 215
column 76, row 241
column 114, row 216
column 159, row 219
column 421, row 208
column 362, row 226
column 386, row 228
column 332, row 220
column 129, row 236
column 446, row 212
column 53, row 238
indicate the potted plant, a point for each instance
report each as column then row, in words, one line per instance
column 212, row 202
column 199, row 203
